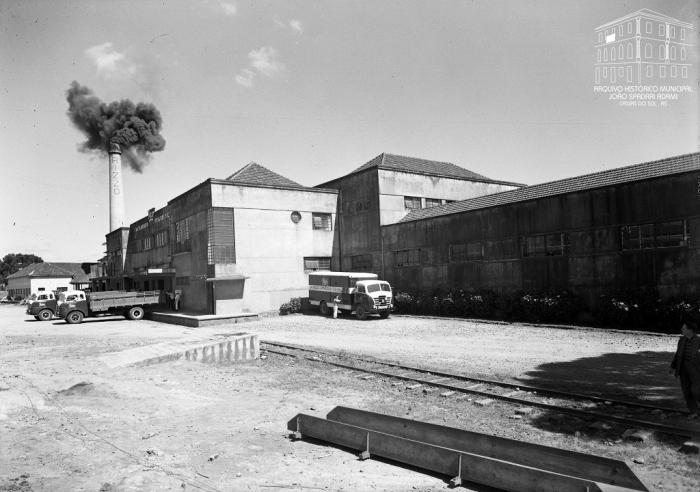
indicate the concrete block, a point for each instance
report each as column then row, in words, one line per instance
column 484, row 402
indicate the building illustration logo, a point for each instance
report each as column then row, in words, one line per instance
column 644, row 52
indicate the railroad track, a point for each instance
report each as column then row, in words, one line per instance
column 635, row 415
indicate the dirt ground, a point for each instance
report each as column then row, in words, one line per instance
column 68, row 422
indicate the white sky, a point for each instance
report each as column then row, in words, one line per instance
column 311, row 90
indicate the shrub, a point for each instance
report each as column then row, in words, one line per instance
column 293, row 306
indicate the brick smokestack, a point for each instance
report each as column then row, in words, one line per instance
column 116, row 189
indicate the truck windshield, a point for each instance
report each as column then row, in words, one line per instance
column 385, row 287
column 373, row 288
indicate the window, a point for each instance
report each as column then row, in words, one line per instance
column 620, row 52
column 637, row 236
column 432, row 202
column 612, row 54
column 647, row 50
column 650, row 71
column 662, row 52
column 684, row 72
column 221, row 246
column 670, row 234
column 621, row 29
column 546, row 245
column 407, row 257
column 466, row 252
column 361, row 263
column 661, row 29
column 673, row 52
column 683, row 55
column 629, row 28
column 411, row 202
column 621, row 72
column 662, row 71
column 600, row 37
column 673, row 32
column 182, row 236
column 598, row 56
column 674, row 71
column 629, row 50
column 682, row 34
column 321, row 221
column 648, row 27
column 161, row 238
column 315, row 263
column 147, row 243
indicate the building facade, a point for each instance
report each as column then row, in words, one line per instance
column 383, row 191
column 47, row 277
column 245, row 243
column 602, row 233
column 643, row 47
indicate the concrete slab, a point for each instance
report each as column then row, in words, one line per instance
column 227, row 349
column 198, row 320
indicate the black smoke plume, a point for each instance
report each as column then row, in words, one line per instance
column 135, row 127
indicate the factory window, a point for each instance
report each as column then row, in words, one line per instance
column 182, row 236
column 161, row 238
column 466, row 251
column 671, row 234
column 361, row 262
column 432, row 202
column 411, row 202
column 407, row 257
column 321, row 221
column 147, row 243
column 637, row 236
column 545, row 245
column 315, row 263
column 221, row 244
column 683, row 55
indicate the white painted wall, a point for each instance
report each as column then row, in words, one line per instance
column 34, row 284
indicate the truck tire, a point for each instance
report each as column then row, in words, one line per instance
column 45, row 315
column 323, row 307
column 135, row 312
column 361, row 312
column 74, row 317
column 384, row 314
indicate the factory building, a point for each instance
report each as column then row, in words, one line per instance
column 602, row 233
column 385, row 189
column 241, row 244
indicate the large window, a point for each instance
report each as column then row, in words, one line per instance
column 407, row 257
column 182, row 236
column 432, row 202
column 161, row 238
column 321, row 221
column 466, row 252
column 314, row 263
column 147, row 243
column 545, row 245
column 221, row 244
column 670, row 234
column 637, row 236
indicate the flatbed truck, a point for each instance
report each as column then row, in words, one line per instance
column 131, row 305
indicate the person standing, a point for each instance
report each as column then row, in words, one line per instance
column 686, row 365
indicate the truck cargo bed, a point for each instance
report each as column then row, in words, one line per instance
column 103, row 301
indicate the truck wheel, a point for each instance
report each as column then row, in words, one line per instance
column 45, row 314
column 360, row 312
column 135, row 312
column 74, row 317
column 384, row 314
column 323, row 307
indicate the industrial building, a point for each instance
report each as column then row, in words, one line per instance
column 48, row 277
column 247, row 242
column 602, row 233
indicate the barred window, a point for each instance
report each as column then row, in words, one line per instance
column 466, row 251
column 432, row 202
column 314, row 263
column 637, row 236
column 407, row 257
column 321, row 221
column 411, row 202
column 147, row 243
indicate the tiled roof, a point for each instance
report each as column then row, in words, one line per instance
column 42, row 270
column 80, row 271
column 423, row 166
column 637, row 172
column 255, row 174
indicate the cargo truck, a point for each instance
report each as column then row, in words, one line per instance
column 131, row 305
column 361, row 293
column 43, row 306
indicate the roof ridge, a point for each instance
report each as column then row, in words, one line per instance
column 240, row 171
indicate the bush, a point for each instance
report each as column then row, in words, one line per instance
column 639, row 310
column 293, row 306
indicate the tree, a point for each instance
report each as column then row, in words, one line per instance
column 15, row 262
